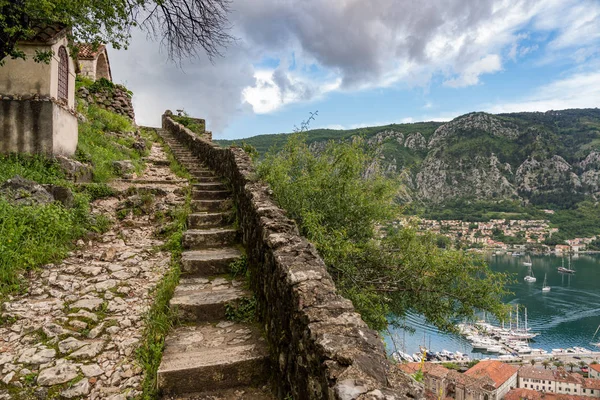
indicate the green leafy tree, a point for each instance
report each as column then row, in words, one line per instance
column 546, row 363
column 184, row 27
column 342, row 212
column 571, row 365
column 532, row 362
column 582, row 364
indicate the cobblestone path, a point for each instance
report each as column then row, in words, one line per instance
column 74, row 334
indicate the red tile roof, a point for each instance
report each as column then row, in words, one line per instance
column 591, row 383
column 87, row 51
column 498, row 371
column 557, row 375
column 528, row 394
column 531, row 372
column 561, row 375
column 432, row 369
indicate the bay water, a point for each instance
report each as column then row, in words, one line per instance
column 566, row 316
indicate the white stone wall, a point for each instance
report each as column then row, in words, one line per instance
column 542, row 384
column 88, row 68
column 27, row 78
column 506, row 386
column 65, row 130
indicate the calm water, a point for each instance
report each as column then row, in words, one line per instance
column 566, row 316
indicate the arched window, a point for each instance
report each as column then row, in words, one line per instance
column 63, row 74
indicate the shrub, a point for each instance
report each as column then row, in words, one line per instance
column 385, row 275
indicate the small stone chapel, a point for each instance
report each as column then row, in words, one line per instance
column 37, row 100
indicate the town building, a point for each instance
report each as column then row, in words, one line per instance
column 487, row 380
column 37, row 106
column 93, row 62
column 594, row 371
column 503, row 376
column 591, row 387
column 529, row 394
column 549, row 380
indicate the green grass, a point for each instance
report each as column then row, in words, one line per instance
column 103, row 140
column 192, row 124
column 37, row 168
column 31, row 236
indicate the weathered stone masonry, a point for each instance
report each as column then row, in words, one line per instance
column 320, row 346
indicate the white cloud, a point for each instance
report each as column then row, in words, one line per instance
column 353, row 45
column 577, row 91
column 276, row 88
column 470, row 76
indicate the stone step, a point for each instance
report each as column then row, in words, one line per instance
column 161, row 163
column 209, row 220
column 204, row 300
column 211, row 205
column 205, row 238
column 202, row 173
column 154, row 181
column 210, row 194
column 208, row 262
column 240, row 393
column 208, row 179
column 210, row 357
column 209, row 186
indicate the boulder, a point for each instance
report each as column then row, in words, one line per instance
column 123, row 167
column 62, row 194
column 25, row 192
column 75, row 170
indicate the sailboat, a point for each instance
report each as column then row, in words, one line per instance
column 530, row 278
column 545, row 287
column 592, row 342
column 566, row 270
column 528, row 263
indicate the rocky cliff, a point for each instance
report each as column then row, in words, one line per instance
column 541, row 158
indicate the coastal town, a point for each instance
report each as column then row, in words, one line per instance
column 505, row 235
column 496, row 380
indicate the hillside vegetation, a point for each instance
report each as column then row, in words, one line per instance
column 34, row 233
column 481, row 166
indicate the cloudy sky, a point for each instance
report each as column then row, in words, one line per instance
column 362, row 63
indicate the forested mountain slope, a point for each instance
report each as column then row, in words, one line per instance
column 546, row 160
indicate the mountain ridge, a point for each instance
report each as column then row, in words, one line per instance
column 544, row 159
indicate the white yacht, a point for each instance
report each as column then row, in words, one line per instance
column 545, row 287
column 530, row 278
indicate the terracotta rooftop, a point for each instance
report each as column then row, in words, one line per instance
column 432, row 369
column 498, row 371
column 529, row 394
column 558, row 375
column 591, row 383
column 531, row 372
column 466, row 380
column 88, row 51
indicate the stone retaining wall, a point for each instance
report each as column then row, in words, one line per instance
column 116, row 99
column 320, row 346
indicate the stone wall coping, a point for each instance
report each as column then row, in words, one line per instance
column 321, row 346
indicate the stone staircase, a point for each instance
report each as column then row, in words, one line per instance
column 207, row 356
